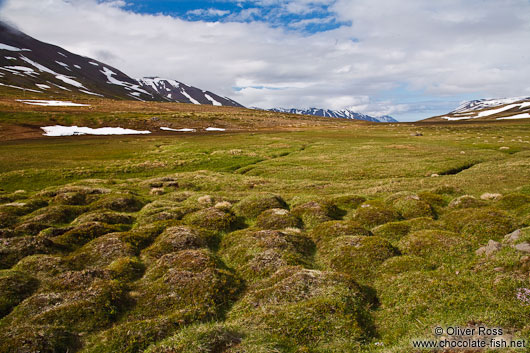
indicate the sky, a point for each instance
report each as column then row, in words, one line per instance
column 411, row 59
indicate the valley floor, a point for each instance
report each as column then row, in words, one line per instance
column 342, row 237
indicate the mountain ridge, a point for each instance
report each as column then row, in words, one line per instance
column 31, row 65
column 338, row 113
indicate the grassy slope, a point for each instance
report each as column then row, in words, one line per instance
column 321, row 162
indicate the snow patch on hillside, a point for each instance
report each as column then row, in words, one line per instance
column 59, row 130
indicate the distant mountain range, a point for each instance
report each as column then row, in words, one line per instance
column 489, row 109
column 340, row 113
column 37, row 67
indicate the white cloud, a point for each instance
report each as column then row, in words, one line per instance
column 208, row 12
column 445, row 48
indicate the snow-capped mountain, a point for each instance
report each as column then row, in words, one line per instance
column 490, row 109
column 340, row 113
column 172, row 90
column 27, row 64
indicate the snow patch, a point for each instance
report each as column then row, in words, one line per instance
column 495, row 111
column 77, row 66
column 42, row 86
column 93, row 63
column 51, row 103
column 214, row 102
column 177, row 130
column 10, row 48
column 518, row 116
column 92, row 93
column 59, row 130
column 21, row 88
column 214, row 129
column 20, row 68
column 189, row 97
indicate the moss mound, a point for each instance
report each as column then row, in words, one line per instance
column 101, row 252
column 259, row 253
column 143, row 236
column 104, row 217
column 179, row 238
column 202, row 339
column 303, row 305
column 199, row 289
column 42, row 267
column 332, row 229
column 55, row 214
column 313, row 212
column 42, row 339
column 277, row 218
column 162, row 210
column 394, row 231
column 211, row 218
column 480, row 224
column 131, row 337
column 71, row 198
column 448, row 190
column 399, row 264
column 358, row 256
column 413, row 207
column 21, row 208
column 14, row 287
column 119, row 203
column 348, row 202
column 126, row 269
column 251, row 206
column 93, row 308
column 14, row 249
column 513, row 201
column 84, row 233
column 374, row 213
column 7, row 220
column 435, row 200
column 467, row 201
column 435, row 245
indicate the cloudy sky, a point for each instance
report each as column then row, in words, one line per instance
column 408, row 58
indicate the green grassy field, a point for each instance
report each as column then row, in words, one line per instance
column 337, row 237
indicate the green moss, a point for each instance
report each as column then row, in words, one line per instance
column 513, row 201
column 70, row 198
column 358, row 256
column 189, row 282
column 448, row 190
column 119, row 203
column 21, row 208
column 101, row 252
column 126, row 269
column 39, row 338
column 141, row 237
column 303, row 305
column 55, row 214
column 251, row 206
column 413, row 207
column 480, row 224
column 313, row 213
column 14, row 287
column 399, row 264
column 7, row 220
column 435, row 245
column 164, row 210
column 14, row 249
column 348, row 202
column 256, row 254
column 277, row 218
column 332, row 229
column 132, row 337
column 211, row 218
column 42, row 267
column 205, row 338
column 93, row 308
column 374, row 213
column 84, row 233
column 466, row 201
column 179, row 238
column 104, row 217
column 435, row 200
column 392, row 231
